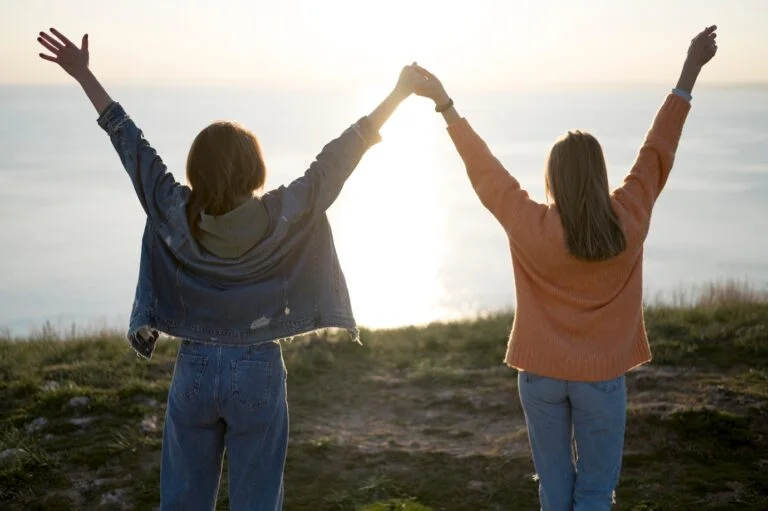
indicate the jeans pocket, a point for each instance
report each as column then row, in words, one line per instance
column 253, row 382
column 188, row 375
column 608, row 386
column 532, row 377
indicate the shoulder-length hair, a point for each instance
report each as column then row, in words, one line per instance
column 224, row 165
column 577, row 183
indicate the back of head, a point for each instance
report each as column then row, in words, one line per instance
column 224, row 165
column 577, row 183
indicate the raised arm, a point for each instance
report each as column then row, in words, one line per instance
column 321, row 184
column 496, row 188
column 154, row 185
column 654, row 161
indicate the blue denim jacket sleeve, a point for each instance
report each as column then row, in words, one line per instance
column 155, row 186
column 315, row 191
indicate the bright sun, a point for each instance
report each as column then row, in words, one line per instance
column 388, row 225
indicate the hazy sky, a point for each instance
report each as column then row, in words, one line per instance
column 482, row 44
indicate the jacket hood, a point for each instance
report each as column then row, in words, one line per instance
column 234, row 233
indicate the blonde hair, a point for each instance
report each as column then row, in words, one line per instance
column 576, row 181
column 224, row 165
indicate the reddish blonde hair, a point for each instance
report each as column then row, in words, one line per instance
column 224, row 165
column 576, row 181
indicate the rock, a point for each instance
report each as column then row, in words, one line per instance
column 146, row 401
column 113, row 497
column 475, row 485
column 82, row 421
column 152, row 403
column 149, row 424
column 36, row 425
column 49, row 386
column 475, row 401
column 78, row 402
column 445, row 395
column 10, row 454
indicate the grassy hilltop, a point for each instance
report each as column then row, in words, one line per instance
column 417, row 419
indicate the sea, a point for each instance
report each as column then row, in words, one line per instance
column 415, row 243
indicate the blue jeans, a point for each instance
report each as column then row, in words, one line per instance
column 576, row 432
column 225, row 397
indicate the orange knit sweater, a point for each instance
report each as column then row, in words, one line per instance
column 576, row 320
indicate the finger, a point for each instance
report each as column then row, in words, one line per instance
column 50, row 40
column 708, row 31
column 425, row 73
column 48, row 46
column 84, row 45
column 48, row 57
column 61, row 36
column 421, row 70
column 411, row 76
column 418, row 78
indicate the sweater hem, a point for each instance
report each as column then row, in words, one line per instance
column 578, row 369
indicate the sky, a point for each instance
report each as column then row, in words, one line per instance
column 340, row 44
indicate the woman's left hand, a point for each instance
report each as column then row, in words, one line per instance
column 430, row 87
column 408, row 81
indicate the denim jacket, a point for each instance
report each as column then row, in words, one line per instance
column 290, row 283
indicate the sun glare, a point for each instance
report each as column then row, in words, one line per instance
column 389, row 229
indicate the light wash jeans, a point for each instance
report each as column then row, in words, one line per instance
column 231, row 397
column 576, row 432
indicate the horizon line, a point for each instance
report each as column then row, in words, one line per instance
column 532, row 87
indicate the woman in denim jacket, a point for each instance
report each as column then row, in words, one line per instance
column 231, row 271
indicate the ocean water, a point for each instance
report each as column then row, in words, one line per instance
column 415, row 243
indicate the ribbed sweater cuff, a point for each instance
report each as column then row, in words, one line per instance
column 671, row 116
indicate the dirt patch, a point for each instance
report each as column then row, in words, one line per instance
column 408, row 412
column 483, row 416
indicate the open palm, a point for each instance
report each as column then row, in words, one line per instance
column 72, row 59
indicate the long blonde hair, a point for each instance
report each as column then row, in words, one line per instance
column 224, row 165
column 576, row 181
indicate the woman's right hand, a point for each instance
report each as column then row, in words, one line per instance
column 703, row 47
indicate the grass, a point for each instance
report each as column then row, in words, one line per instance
column 416, row 419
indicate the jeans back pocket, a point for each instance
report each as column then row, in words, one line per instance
column 608, row 386
column 188, row 375
column 253, row 382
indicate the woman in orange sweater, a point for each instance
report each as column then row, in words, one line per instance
column 578, row 278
